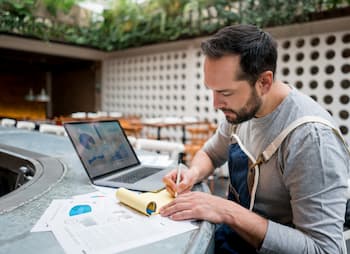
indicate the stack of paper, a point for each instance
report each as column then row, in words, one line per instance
column 96, row 223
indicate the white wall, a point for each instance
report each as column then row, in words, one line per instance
column 167, row 79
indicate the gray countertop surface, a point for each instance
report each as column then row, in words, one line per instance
column 15, row 226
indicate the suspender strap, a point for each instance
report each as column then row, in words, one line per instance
column 272, row 148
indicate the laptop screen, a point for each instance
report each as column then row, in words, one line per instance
column 102, row 146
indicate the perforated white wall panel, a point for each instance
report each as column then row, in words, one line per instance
column 158, row 85
column 319, row 65
column 171, row 83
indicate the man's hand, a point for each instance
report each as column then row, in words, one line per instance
column 196, row 205
column 187, row 180
column 204, row 206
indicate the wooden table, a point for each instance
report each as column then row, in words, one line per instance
column 163, row 124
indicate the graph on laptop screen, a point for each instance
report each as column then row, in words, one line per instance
column 102, row 147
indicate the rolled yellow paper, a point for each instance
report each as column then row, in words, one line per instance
column 161, row 198
column 134, row 200
column 147, row 203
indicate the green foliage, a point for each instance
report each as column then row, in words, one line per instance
column 59, row 5
column 17, row 8
column 271, row 13
column 128, row 24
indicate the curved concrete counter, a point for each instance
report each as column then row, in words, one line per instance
column 48, row 171
column 55, row 154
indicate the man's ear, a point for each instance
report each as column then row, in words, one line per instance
column 264, row 82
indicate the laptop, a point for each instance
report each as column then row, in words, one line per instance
column 109, row 159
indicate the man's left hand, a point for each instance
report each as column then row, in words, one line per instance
column 196, row 205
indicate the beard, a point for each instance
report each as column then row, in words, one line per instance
column 247, row 112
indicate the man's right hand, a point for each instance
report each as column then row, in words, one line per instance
column 188, row 178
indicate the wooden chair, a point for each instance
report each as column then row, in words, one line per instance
column 197, row 136
column 132, row 127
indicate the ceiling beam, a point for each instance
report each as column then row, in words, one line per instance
column 50, row 48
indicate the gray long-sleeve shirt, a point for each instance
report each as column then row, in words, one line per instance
column 302, row 188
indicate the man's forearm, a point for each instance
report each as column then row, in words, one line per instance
column 202, row 164
column 251, row 226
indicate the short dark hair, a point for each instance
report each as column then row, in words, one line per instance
column 256, row 48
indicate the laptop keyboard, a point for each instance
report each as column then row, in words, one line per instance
column 135, row 176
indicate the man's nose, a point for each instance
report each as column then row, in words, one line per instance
column 217, row 101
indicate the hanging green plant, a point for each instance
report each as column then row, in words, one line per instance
column 53, row 6
column 128, row 24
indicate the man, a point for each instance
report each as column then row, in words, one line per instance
column 296, row 201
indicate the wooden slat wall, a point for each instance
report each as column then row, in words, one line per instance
column 13, row 88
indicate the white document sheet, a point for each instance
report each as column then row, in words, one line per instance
column 61, row 207
column 106, row 191
column 58, row 205
column 43, row 224
column 110, row 227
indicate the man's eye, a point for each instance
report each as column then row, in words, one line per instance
column 226, row 93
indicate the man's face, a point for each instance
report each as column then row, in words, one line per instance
column 237, row 99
